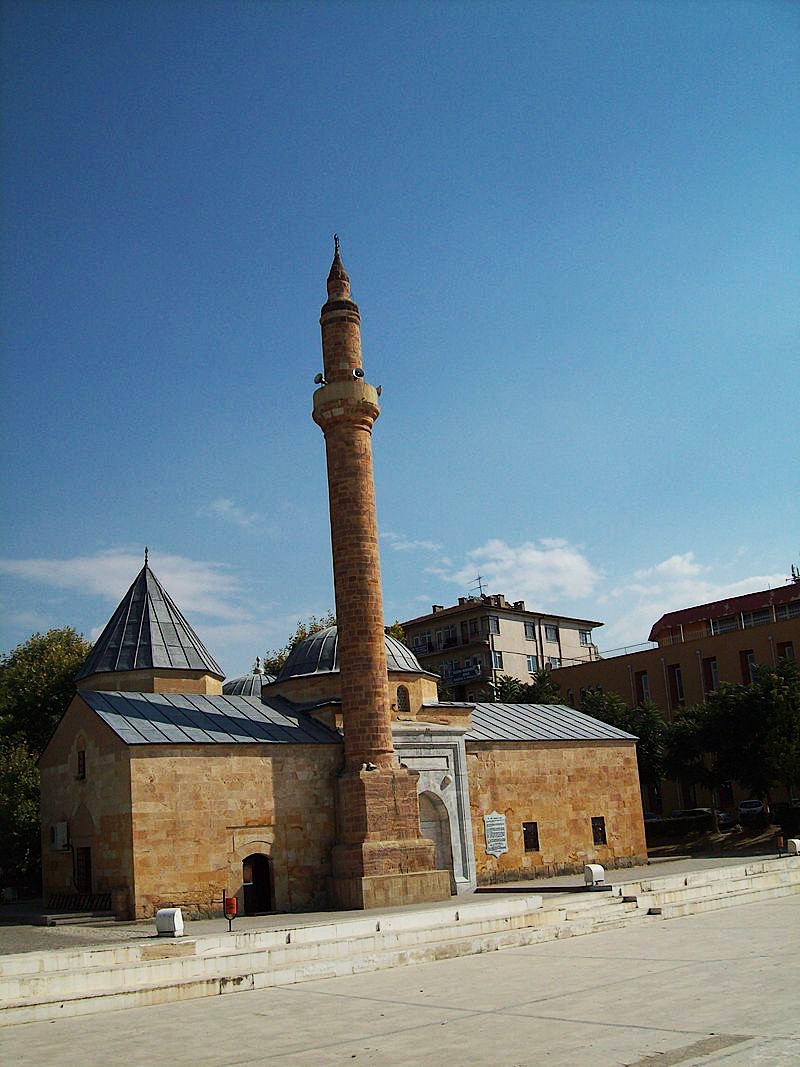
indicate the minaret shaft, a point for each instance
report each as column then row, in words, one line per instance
column 380, row 856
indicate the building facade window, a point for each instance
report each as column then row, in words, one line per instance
column 551, row 632
column 747, row 662
column 599, row 830
column 533, row 664
column 530, row 631
column 725, row 626
column 473, row 627
column 497, row 660
column 553, row 661
column 81, row 763
column 642, row 684
column 403, row 701
column 493, row 624
column 585, row 637
column 785, row 650
column 675, row 679
column 530, row 836
column 710, row 674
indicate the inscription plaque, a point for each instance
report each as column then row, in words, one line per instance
column 494, row 828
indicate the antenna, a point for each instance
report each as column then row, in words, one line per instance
column 479, row 582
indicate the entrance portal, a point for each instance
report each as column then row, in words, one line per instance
column 435, row 824
column 256, row 884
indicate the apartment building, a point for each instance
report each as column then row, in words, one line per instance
column 471, row 644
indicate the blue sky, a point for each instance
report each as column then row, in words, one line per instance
column 572, row 230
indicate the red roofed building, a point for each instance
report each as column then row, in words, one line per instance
column 692, row 651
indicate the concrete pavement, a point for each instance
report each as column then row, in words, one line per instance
column 709, row 989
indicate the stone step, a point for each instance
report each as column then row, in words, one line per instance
column 249, row 971
column 104, row 970
column 76, row 982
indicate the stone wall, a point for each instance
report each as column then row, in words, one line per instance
column 96, row 807
column 199, row 810
column 560, row 786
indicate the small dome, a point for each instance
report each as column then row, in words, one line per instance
column 248, row 685
column 319, row 654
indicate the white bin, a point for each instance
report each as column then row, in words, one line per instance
column 169, row 922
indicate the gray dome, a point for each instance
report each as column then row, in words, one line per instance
column 319, row 654
column 248, row 685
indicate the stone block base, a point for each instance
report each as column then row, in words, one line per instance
column 389, row 890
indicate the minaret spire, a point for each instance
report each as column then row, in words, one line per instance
column 338, row 281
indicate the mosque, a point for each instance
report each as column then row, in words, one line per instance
column 342, row 783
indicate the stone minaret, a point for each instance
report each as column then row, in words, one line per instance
column 380, row 857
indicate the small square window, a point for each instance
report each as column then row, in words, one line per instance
column 533, row 664
column 551, row 632
column 81, row 763
column 497, row 660
column 530, row 835
column 530, row 631
column 585, row 637
column 599, row 830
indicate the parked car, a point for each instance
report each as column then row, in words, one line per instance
column 725, row 820
column 750, row 807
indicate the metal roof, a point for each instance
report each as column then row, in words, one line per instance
column 319, row 654
column 718, row 609
column 247, row 685
column 148, row 630
column 538, row 722
column 194, row 718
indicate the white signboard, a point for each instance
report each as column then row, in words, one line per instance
column 494, row 827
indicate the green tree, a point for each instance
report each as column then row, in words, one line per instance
column 397, row 632
column 750, row 733
column 276, row 657
column 645, row 722
column 20, row 857
column 540, row 690
column 37, row 682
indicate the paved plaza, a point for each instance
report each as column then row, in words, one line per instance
column 713, row 988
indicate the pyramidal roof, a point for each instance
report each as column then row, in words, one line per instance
column 148, row 630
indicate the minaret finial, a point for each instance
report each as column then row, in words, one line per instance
column 338, row 282
column 145, row 555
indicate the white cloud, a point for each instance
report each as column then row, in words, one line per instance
column 676, row 582
column 537, row 571
column 196, row 585
column 401, row 543
column 228, row 511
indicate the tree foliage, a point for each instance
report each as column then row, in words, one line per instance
column 540, row 690
column 645, row 722
column 275, row 658
column 750, row 733
column 20, row 856
column 37, row 682
column 397, row 632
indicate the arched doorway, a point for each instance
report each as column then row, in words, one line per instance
column 256, row 884
column 435, row 824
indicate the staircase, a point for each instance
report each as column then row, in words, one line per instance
column 67, row 982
